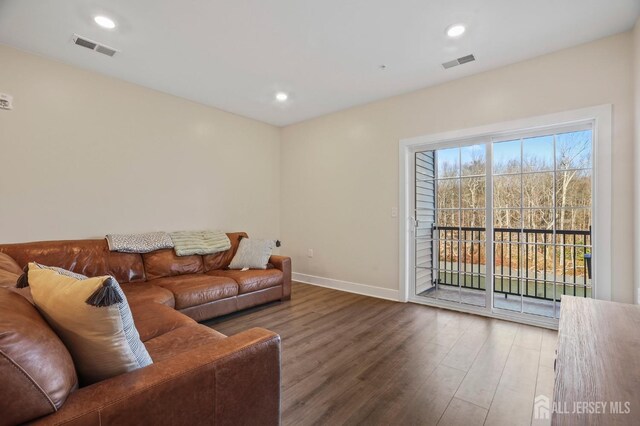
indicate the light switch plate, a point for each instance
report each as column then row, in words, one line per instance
column 394, row 212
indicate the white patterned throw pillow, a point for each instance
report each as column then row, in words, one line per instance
column 252, row 254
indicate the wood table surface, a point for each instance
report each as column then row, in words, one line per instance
column 597, row 378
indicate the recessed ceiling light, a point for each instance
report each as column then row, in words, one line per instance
column 281, row 96
column 105, row 22
column 456, row 30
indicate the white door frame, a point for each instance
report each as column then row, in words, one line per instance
column 602, row 219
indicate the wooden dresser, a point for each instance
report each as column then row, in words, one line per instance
column 597, row 378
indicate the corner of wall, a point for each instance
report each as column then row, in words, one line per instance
column 636, row 213
column 280, row 182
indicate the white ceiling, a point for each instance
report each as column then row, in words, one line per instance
column 235, row 54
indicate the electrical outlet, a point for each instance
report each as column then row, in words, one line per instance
column 394, row 212
column 6, row 101
column 310, row 253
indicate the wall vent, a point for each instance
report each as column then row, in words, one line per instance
column 94, row 45
column 459, row 61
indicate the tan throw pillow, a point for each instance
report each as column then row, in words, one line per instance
column 93, row 319
column 252, row 254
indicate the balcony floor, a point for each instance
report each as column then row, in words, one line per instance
column 477, row 298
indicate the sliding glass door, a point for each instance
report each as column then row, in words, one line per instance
column 542, row 219
column 450, row 237
column 528, row 198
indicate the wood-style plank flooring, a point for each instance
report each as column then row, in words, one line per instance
column 351, row 359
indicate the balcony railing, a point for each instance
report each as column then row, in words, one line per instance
column 536, row 263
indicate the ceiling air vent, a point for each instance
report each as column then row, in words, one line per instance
column 94, row 45
column 459, row 61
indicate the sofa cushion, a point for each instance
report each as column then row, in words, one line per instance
column 8, row 279
column 144, row 293
column 223, row 259
column 125, row 267
column 93, row 319
column 181, row 340
column 153, row 320
column 7, row 264
column 36, row 368
column 251, row 280
column 86, row 257
column 197, row 289
column 165, row 263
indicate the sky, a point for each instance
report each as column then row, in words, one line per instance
column 540, row 148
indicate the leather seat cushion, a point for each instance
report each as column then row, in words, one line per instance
column 144, row 293
column 165, row 263
column 197, row 289
column 253, row 279
column 36, row 368
column 153, row 320
column 181, row 340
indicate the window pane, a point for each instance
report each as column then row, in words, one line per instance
column 448, row 218
column 424, row 253
column 507, row 218
column 573, row 188
column 540, row 219
column 449, row 256
column 473, row 219
column 473, row 160
column 539, row 262
column 573, row 219
column 473, row 192
column 424, row 233
column 506, row 191
column 507, row 259
column 448, row 162
column 425, row 167
column 506, row 157
column 448, row 193
column 537, row 154
column 537, row 189
column 426, row 218
column 573, row 150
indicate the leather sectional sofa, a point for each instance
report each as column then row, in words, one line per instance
column 199, row 376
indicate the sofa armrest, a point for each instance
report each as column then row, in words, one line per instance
column 233, row 381
column 283, row 263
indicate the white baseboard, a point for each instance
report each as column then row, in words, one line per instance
column 363, row 289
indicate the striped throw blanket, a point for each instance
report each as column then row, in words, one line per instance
column 186, row 243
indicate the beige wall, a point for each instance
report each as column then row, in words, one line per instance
column 83, row 155
column 340, row 171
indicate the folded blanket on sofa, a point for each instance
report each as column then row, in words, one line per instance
column 139, row 243
column 187, row 243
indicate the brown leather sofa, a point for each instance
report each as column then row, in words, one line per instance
column 199, row 376
column 198, row 286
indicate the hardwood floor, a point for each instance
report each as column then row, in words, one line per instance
column 350, row 359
